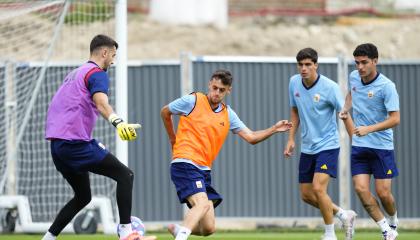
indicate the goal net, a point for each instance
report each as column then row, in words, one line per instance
column 40, row 42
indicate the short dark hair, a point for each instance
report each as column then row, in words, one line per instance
column 366, row 49
column 307, row 53
column 223, row 75
column 100, row 41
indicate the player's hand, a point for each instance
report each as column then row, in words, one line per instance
column 343, row 115
column 283, row 126
column 362, row 131
column 290, row 147
column 126, row 131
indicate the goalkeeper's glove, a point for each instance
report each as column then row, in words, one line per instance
column 126, row 131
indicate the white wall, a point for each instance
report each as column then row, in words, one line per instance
column 408, row 4
column 190, row 12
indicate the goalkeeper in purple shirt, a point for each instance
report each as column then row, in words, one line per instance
column 71, row 118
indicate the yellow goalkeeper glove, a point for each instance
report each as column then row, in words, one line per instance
column 126, row 131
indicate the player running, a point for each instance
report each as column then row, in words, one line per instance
column 315, row 102
column 375, row 103
column 204, row 124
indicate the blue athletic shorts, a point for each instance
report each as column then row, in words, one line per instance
column 322, row 162
column 379, row 162
column 76, row 156
column 189, row 180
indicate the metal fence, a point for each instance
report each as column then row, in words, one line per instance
column 256, row 181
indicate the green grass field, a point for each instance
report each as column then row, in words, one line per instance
column 365, row 235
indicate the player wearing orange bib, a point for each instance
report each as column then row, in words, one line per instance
column 204, row 124
column 201, row 135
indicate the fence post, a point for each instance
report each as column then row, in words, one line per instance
column 344, row 187
column 186, row 84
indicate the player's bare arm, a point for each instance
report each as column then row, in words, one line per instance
column 347, row 106
column 166, row 116
column 294, row 116
column 254, row 137
column 392, row 121
column 348, row 123
column 101, row 101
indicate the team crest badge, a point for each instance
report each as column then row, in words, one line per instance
column 297, row 94
column 370, row 94
column 317, row 97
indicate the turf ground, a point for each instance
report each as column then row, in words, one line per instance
column 404, row 235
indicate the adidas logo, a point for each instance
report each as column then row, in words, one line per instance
column 324, row 167
column 389, row 172
column 222, row 123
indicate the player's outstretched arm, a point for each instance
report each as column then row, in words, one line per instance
column 166, row 116
column 254, row 137
column 126, row 131
column 290, row 147
column 392, row 121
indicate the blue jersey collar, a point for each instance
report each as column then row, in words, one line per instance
column 316, row 81
column 376, row 77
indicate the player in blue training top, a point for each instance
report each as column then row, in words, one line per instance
column 375, row 103
column 315, row 102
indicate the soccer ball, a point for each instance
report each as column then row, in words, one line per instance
column 136, row 224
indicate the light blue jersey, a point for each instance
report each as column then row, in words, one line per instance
column 317, row 107
column 185, row 104
column 371, row 103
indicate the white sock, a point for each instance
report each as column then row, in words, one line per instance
column 183, row 233
column 341, row 214
column 48, row 236
column 383, row 224
column 393, row 220
column 329, row 230
column 125, row 230
column 176, row 229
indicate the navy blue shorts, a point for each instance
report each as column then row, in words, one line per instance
column 322, row 162
column 190, row 180
column 379, row 162
column 76, row 156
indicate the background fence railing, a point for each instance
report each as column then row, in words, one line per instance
column 256, row 181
